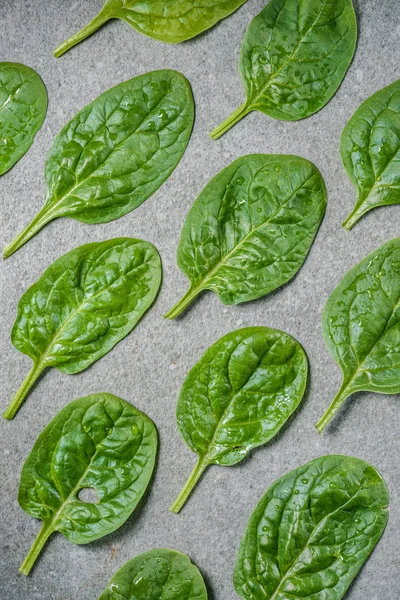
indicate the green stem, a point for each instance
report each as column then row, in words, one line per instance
column 97, row 22
column 44, row 216
column 182, row 303
column 336, row 403
column 353, row 217
column 19, row 397
column 46, row 530
column 194, row 477
column 236, row 116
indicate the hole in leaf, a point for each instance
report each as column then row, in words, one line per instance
column 88, row 495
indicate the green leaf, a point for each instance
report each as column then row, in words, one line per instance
column 238, row 396
column 251, row 228
column 160, row 573
column 170, row 21
column 370, row 149
column 294, row 57
column 312, row 531
column 116, row 152
column 23, row 105
column 83, row 304
column 361, row 327
column 101, row 443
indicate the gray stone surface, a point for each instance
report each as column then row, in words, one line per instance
column 148, row 367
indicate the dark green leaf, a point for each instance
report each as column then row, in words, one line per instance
column 116, row 152
column 238, row 396
column 361, row 326
column 370, row 149
column 294, row 57
column 170, row 21
column 23, row 105
column 98, row 442
column 83, row 304
column 157, row 574
column 251, row 228
column 312, row 531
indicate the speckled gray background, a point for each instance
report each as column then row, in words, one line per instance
column 148, row 367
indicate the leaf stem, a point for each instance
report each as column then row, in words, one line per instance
column 90, row 28
column 44, row 216
column 37, row 546
column 182, row 303
column 194, row 477
column 353, row 217
column 236, row 116
column 336, row 403
column 19, row 397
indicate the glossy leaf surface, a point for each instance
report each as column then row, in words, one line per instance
column 160, row 573
column 98, row 442
column 361, row 326
column 82, row 305
column 370, row 149
column 294, row 57
column 116, row 152
column 312, row 531
column 251, row 228
column 170, row 21
column 238, row 396
column 23, row 105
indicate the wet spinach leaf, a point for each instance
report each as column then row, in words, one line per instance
column 370, row 149
column 82, row 305
column 116, row 152
column 170, row 21
column 101, row 443
column 238, row 396
column 160, row 573
column 312, row 531
column 294, row 57
column 361, row 327
column 23, row 105
column 251, row 228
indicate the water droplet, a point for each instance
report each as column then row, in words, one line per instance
column 296, row 492
column 304, row 480
column 135, row 429
column 240, row 180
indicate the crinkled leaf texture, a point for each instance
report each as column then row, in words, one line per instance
column 170, row 21
column 361, row 326
column 251, row 228
column 99, row 442
column 83, row 304
column 239, row 395
column 370, row 149
column 160, row 573
column 294, row 57
column 23, row 105
column 312, row 531
column 116, row 152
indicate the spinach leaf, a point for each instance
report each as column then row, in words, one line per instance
column 294, row 57
column 170, row 21
column 98, row 442
column 361, row 327
column 251, row 228
column 370, row 149
column 238, row 396
column 83, row 304
column 312, row 531
column 23, row 105
column 160, row 573
column 116, row 152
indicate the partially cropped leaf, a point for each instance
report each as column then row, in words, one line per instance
column 155, row 575
column 370, row 149
column 23, row 105
column 238, row 396
column 294, row 57
column 312, row 531
column 116, row 152
column 251, row 228
column 83, row 304
column 170, row 21
column 101, row 443
column 361, row 327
